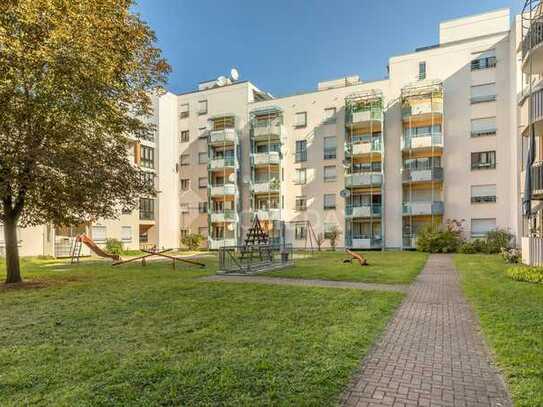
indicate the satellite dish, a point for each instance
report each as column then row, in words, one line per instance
column 230, row 226
column 246, row 179
column 232, row 177
column 345, row 193
column 234, row 74
column 221, row 80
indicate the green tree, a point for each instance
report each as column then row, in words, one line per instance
column 76, row 79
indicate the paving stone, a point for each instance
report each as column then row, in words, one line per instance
column 431, row 353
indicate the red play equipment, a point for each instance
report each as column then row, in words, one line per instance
column 359, row 258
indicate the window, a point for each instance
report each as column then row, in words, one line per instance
column 300, row 231
column 202, row 158
column 483, row 193
column 202, row 207
column 301, row 176
column 483, row 93
column 147, row 209
column 149, row 179
column 422, row 70
column 330, row 148
column 202, row 182
column 330, row 201
column 300, row 120
column 184, row 111
column 184, row 159
column 330, row 173
column 328, row 228
column 147, row 157
column 202, row 231
column 99, row 233
column 185, row 184
column 126, row 233
column 185, row 136
column 483, row 160
column 184, row 207
column 485, row 61
column 301, row 150
column 184, row 233
column 202, row 107
column 301, row 203
column 203, row 133
column 480, row 227
column 330, row 115
column 483, row 127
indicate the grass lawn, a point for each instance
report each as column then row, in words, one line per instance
column 393, row 267
column 511, row 315
column 96, row 335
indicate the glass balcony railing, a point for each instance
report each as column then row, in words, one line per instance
column 220, row 190
column 363, row 241
column 537, row 178
column 366, row 148
column 363, row 116
column 227, row 215
column 266, row 130
column 423, row 208
column 422, row 108
column 363, row 179
column 363, row 211
column 423, row 141
column 268, row 214
column 272, row 157
column 225, row 136
column 265, row 185
column 224, row 162
column 422, row 175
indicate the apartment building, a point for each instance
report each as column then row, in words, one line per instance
column 436, row 139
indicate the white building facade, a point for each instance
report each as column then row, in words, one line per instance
column 438, row 139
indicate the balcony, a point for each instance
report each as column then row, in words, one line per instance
column 423, row 142
column 422, row 208
column 268, row 214
column 409, row 242
column 271, row 158
column 216, row 243
column 222, row 137
column 429, row 175
column 224, row 216
column 537, row 180
column 223, row 190
column 147, row 215
column 265, row 186
column 263, row 132
column 222, row 163
column 532, row 45
column 366, row 148
column 363, row 242
column 422, row 109
column 363, row 179
column 363, row 211
column 362, row 117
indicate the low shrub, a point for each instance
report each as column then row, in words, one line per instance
column 511, row 255
column 438, row 239
column 114, row 246
column 526, row 274
column 192, row 241
column 470, row 247
column 496, row 240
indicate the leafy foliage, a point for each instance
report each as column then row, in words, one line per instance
column 320, row 241
column 333, row 235
column 496, row 240
column 438, row 239
column 114, row 246
column 526, row 274
column 511, row 255
column 76, row 78
column 192, row 241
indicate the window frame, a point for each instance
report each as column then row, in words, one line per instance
column 329, row 179
column 296, row 124
column 329, row 206
column 477, row 166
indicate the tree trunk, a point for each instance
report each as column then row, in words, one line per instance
column 12, row 252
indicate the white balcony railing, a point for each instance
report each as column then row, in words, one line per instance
column 426, row 141
column 219, row 163
column 261, row 187
column 224, row 217
column 226, row 136
column 273, row 157
column 265, row 132
column 269, row 214
column 226, row 189
column 363, row 179
column 215, row 244
column 423, row 208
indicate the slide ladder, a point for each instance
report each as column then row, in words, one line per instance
column 87, row 241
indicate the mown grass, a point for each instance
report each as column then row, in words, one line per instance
column 389, row 267
column 97, row 335
column 511, row 315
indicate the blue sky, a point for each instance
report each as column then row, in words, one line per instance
column 285, row 46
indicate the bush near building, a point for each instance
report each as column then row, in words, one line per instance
column 526, row 274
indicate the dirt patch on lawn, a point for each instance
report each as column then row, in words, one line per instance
column 36, row 283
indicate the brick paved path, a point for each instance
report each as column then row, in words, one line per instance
column 307, row 283
column 431, row 353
